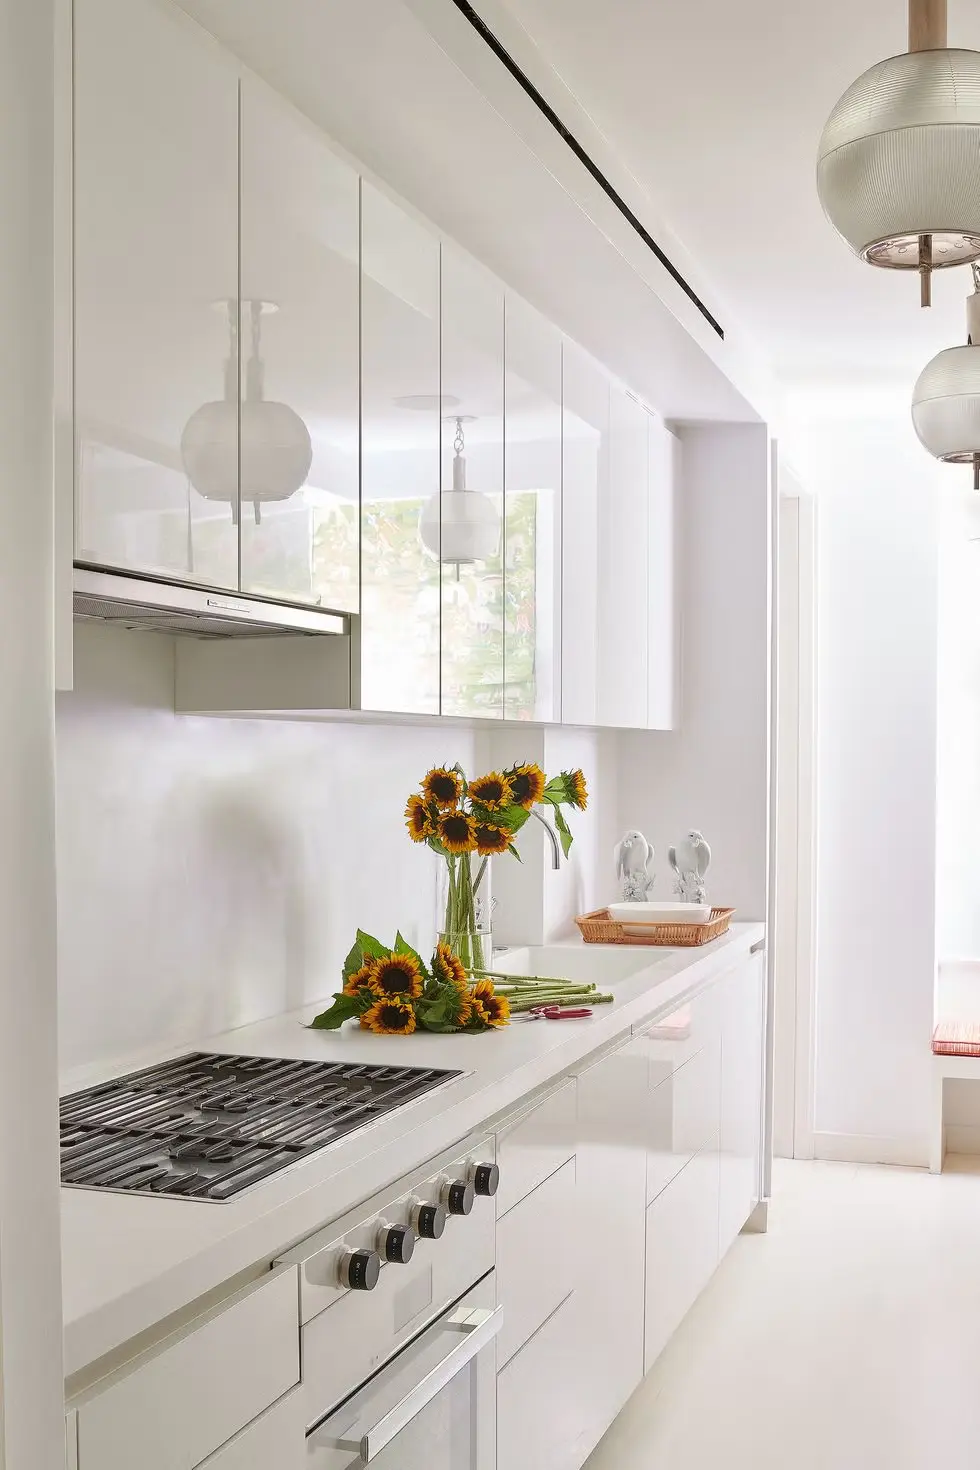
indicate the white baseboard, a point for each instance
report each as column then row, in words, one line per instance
column 863, row 1148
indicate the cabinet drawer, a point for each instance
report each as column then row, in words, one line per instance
column 276, row 1441
column 677, row 1037
column 684, row 1113
column 535, row 1259
column 681, row 1250
column 538, row 1404
column 534, row 1145
column 188, row 1396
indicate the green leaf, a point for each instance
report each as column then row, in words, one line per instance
column 564, row 831
column 343, row 1008
column 513, row 818
column 353, row 962
column 371, row 948
column 437, row 846
column 402, row 946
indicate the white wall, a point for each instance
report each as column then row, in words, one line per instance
column 211, row 872
column 876, row 783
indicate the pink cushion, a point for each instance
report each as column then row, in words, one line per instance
column 957, row 1039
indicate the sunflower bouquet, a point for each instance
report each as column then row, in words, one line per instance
column 392, row 993
column 468, row 822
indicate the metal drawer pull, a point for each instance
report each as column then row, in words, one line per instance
column 758, row 947
column 480, row 1326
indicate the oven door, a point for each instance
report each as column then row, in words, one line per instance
column 433, row 1407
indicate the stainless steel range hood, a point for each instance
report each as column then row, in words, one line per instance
column 161, row 606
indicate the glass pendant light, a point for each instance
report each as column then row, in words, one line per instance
column 897, row 165
column 946, row 397
column 276, row 449
column 462, row 525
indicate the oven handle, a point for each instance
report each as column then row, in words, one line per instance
column 480, row 1326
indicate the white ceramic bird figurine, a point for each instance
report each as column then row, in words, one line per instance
column 633, row 857
column 690, row 860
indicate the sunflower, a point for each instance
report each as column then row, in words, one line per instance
column 397, row 976
column 527, row 783
column 443, row 787
column 491, row 839
column 457, row 832
column 576, row 789
column 390, row 1017
column 491, row 791
column 417, row 819
column 492, row 1009
column 448, row 967
column 361, row 979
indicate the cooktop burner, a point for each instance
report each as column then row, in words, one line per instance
column 207, row 1126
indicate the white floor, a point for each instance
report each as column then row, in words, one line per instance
column 848, row 1338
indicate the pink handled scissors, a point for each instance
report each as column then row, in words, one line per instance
column 558, row 1013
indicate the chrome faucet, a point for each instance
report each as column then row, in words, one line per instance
column 555, row 846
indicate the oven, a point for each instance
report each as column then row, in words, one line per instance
column 399, row 1320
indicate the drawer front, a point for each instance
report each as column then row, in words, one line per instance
column 276, row 1441
column 679, row 1036
column 538, row 1419
column 683, row 1117
column 535, row 1259
column 531, row 1148
column 187, row 1397
column 681, row 1250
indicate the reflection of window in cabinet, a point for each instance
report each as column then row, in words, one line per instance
column 300, row 289
column 532, row 580
column 623, row 571
column 155, row 263
column 401, row 430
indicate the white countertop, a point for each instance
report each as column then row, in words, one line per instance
column 129, row 1262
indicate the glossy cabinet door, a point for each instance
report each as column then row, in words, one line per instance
column 468, row 537
column 663, row 472
column 681, row 1249
column 741, row 1094
column 623, row 570
column 401, row 439
column 299, row 337
column 533, row 517
column 585, row 476
column 156, row 266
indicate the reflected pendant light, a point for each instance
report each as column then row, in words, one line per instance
column 897, row 166
column 460, row 526
column 276, row 449
column 946, row 397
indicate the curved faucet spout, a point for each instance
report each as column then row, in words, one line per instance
column 555, row 846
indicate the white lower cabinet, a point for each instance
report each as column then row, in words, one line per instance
column 538, row 1401
column 741, row 1094
column 275, row 1441
column 681, row 1249
column 536, row 1259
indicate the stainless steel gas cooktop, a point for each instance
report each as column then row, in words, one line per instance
column 207, row 1126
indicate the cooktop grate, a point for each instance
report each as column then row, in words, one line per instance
column 207, row 1126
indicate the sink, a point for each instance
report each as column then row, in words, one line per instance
column 604, row 964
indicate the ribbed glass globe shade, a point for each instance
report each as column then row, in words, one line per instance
column 946, row 405
column 900, row 157
column 470, row 527
column 277, row 451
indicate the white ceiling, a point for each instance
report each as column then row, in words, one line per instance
column 717, row 108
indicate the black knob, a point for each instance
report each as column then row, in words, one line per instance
column 486, row 1179
column 458, row 1196
column 429, row 1221
column 398, row 1243
column 360, row 1270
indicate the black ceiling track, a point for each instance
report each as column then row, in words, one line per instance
column 543, row 106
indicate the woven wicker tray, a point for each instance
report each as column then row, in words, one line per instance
column 599, row 928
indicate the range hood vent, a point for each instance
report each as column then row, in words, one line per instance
column 158, row 606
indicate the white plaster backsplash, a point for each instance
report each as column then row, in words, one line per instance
column 212, row 872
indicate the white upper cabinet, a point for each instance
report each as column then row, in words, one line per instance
column 533, row 533
column 156, row 285
column 663, row 454
column 623, row 570
column 401, row 432
column 300, row 359
column 466, row 540
column 585, row 474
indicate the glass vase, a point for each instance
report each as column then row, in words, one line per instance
column 466, row 908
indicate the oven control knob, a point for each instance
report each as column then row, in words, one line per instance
column 486, row 1178
column 398, row 1244
column 429, row 1221
column 458, row 1196
column 360, row 1270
